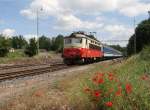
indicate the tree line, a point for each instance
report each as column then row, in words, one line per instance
column 140, row 38
column 30, row 47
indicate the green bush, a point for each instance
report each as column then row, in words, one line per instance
column 145, row 54
column 32, row 49
column 4, row 46
column 3, row 52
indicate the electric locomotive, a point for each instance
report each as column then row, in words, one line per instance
column 81, row 48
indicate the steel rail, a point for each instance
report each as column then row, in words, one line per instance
column 23, row 65
column 31, row 72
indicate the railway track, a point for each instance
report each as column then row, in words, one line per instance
column 15, row 71
column 5, row 75
column 3, row 67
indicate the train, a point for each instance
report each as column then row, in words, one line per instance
column 80, row 47
column 110, row 53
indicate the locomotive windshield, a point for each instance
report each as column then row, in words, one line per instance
column 73, row 40
column 67, row 41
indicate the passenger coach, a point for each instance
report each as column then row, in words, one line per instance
column 110, row 53
column 82, row 48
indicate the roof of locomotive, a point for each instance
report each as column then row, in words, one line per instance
column 82, row 35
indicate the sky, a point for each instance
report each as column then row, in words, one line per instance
column 110, row 19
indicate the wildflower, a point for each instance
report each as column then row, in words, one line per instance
column 110, row 74
column 109, row 104
column 100, row 74
column 128, row 88
column 116, row 80
column 87, row 90
column 95, row 79
column 145, row 77
column 111, row 90
column 111, row 78
column 100, row 81
column 97, row 93
column 119, row 92
column 39, row 93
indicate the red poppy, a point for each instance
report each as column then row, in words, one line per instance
column 110, row 74
column 119, row 91
column 100, row 74
column 87, row 90
column 116, row 80
column 97, row 93
column 109, row 104
column 100, row 81
column 111, row 78
column 145, row 77
column 95, row 79
column 128, row 88
column 111, row 90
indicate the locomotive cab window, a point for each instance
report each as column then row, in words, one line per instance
column 67, row 41
column 77, row 40
column 73, row 41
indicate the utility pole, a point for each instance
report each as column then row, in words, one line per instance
column 134, row 36
column 149, row 14
column 37, row 27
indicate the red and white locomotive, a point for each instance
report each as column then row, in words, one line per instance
column 80, row 47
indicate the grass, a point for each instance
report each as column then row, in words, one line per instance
column 19, row 55
column 135, row 71
column 70, row 91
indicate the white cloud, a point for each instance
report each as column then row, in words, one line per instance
column 89, row 6
column 67, row 14
column 70, row 22
column 28, row 13
column 65, row 10
column 118, row 32
column 56, row 7
column 8, row 32
column 29, row 36
column 126, row 7
column 115, row 29
column 44, row 7
column 133, row 7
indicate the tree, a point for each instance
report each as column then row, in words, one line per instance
column 142, row 34
column 32, row 48
column 18, row 42
column 130, row 46
column 57, row 43
column 45, row 43
column 4, row 46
